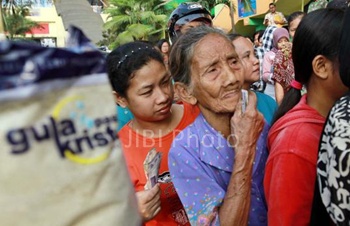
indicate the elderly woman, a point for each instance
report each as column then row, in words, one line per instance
column 217, row 163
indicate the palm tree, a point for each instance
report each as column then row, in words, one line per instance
column 134, row 20
column 13, row 18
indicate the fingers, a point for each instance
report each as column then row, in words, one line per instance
column 246, row 127
column 149, row 202
column 251, row 105
column 251, row 101
column 239, row 106
column 153, row 192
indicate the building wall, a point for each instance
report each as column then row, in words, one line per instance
column 247, row 25
column 53, row 31
column 222, row 14
column 52, row 25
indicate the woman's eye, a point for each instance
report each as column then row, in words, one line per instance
column 166, row 82
column 234, row 61
column 146, row 93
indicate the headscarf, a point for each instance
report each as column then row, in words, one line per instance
column 278, row 34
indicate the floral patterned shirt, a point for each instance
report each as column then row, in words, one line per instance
column 201, row 162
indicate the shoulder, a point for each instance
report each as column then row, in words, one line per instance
column 266, row 105
column 300, row 139
column 192, row 110
column 337, row 126
column 188, row 138
column 340, row 109
column 188, row 114
column 265, row 98
column 192, row 129
column 268, row 55
column 124, row 131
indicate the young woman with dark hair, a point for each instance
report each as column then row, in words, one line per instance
column 142, row 84
column 164, row 47
column 293, row 22
column 295, row 134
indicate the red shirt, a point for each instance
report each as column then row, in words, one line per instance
column 136, row 147
column 290, row 172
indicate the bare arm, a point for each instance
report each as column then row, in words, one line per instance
column 267, row 67
column 279, row 93
column 246, row 128
column 266, row 22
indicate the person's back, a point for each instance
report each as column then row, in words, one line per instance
column 294, row 136
column 332, row 190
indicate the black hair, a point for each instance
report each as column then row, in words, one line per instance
column 182, row 53
column 234, row 36
column 125, row 60
column 340, row 4
column 309, row 41
column 261, row 33
column 294, row 15
column 160, row 43
column 272, row 4
column 344, row 53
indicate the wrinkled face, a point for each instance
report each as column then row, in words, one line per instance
column 272, row 8
column 217, row 74
column 282, row 42
column 245, row 51
column 293, row 26
column 165, row 47
column 150, row 94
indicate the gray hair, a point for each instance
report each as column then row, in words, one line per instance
column 182, row 52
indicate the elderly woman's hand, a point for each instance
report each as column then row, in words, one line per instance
column 246, row 127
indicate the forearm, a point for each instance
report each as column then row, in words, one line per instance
column 279, row 93
column 266, row 22
column 267, row 71
column 236, row 204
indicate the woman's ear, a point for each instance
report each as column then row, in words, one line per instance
column 322, row 66
column 121, row 101
column 184, row 93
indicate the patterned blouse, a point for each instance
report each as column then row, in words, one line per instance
column 201, row 162
column 333, row 165
column 283, row 67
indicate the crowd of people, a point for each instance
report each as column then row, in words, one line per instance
column 233, row 162
column 231, row 153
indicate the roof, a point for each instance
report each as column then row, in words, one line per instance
column 80, row 14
